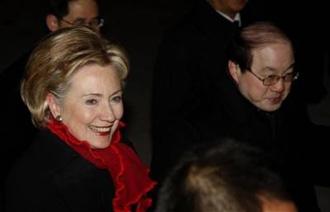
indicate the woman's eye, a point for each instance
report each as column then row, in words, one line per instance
column 91, row 101
column 117, row 99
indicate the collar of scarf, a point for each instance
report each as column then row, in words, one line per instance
column 129, row 174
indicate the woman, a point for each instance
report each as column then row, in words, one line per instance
column 78, row 162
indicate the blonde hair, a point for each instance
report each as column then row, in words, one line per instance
column 57, row 58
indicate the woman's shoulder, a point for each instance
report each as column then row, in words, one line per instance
column 50, row 169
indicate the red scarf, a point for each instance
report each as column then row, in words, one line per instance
column 129, row 174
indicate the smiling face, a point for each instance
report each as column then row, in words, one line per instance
column 273, row 59
column 92, row 106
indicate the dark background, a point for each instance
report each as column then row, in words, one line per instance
column 138, row 26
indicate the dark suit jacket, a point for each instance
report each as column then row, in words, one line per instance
column 286, row 135
column 52, row 177
column 17, row 124
column 190, row 62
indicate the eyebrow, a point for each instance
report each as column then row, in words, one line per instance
column 100, row 95
column 116, row 92
column 273, row 70
column 84, row 19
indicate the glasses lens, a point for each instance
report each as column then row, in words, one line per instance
column 291, row 76
column 79, row 22
column 96, row 23
column 271, row 80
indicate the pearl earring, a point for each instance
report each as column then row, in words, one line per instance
column 59, row 118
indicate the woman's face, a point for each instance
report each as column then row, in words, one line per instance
column 92, row 106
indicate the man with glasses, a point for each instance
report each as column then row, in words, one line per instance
column 251, row 103
column 261, row 64
column 256, row 107
column 62, row 13
column 73, row 13
column 190, row 61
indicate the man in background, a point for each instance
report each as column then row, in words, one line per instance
column 191, row 61
column 225, row 176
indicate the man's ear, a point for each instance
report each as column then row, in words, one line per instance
column 53, row 105
column 52, row 23
column 234, row 70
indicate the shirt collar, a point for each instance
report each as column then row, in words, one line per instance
column 236, row 18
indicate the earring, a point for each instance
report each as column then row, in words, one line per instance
column 59, row 118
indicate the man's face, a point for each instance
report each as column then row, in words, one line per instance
column 229, row 7
column 81, row 12
column 275, row 205
column 274, row 59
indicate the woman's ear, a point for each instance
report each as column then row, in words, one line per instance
column 52, row 23
column 53, row 105
column 234, row 70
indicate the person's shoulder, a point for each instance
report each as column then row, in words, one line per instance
column 30, row 176
column 46, row 154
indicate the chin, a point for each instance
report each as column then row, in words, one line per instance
column 100, row 144
column 271, row 108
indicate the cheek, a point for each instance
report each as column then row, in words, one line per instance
column 77, row 120
column 286, row 93
column 252, row 90
column 79, row 114
column 287, row 89
column 118, row 110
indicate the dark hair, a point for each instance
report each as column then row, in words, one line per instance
column 227, row 177
column 251, row 37
column 59, row 8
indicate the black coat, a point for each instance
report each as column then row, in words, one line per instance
column 190, row 62
column 17, row 124
column 52, row 177
column 286, row 135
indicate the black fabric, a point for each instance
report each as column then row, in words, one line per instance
column 50, row 176
column 236, row 23
column 190, row 62
column 194, row 101
column 16, row 120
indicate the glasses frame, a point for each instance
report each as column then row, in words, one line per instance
column 99, row 25
column 295, row 77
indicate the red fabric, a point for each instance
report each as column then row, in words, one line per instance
column 129, row 174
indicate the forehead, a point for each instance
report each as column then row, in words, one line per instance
column 95, row 79
column 277, row 56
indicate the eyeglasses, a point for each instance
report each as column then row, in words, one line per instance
column 94, row 23
column 273, row 79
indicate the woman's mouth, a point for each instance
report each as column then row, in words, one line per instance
column 103, row 131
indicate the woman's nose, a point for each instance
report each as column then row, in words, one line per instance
column 108, row 113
